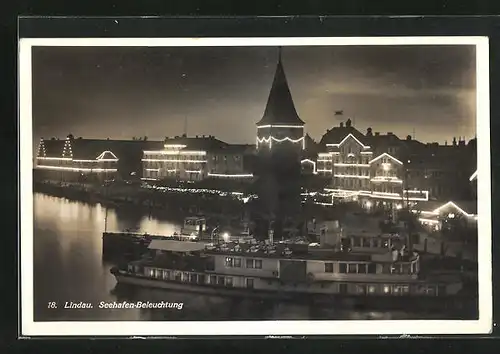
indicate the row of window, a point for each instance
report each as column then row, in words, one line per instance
column 371, row 268
column 369, row 242
column 193, row 278
column 232, row 262
column 392, row 289
column 352, row 268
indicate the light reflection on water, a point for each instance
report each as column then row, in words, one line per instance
column 68, row 267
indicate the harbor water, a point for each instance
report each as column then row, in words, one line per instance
column 69, row 272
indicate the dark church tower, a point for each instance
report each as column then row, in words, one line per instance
column 280, row 142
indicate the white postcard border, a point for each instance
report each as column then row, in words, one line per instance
column 278, row 327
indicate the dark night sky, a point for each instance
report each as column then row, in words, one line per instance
column 121, row 92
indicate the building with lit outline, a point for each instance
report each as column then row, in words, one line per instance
column 195, row 159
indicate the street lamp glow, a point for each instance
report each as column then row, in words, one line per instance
column 399, row 207
column 368, row 204
column 225, row 236
column 451, row 216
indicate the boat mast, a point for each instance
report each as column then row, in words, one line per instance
column 106, row 220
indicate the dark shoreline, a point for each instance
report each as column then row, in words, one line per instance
column 150, row 202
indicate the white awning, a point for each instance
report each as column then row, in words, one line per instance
column 176, row 246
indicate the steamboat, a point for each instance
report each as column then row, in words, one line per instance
column 291, row 271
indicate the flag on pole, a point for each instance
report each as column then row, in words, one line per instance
column 339, row 113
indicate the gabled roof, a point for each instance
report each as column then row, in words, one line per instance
column 280, row 108
column 54, row 147
column 466, row 207
column 386, row 155
column 337, row 134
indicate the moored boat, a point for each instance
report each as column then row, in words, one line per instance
column 286, row 271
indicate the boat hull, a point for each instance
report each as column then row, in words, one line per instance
column 368, row 302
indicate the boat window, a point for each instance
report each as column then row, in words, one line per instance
column 362, row 268
column 366, row 242
column 441, row 290
column 386, row 289
column 356, row 242
column 228, row 262
column 352, row 268
column 405, row 289
column 342, row 268
column 213, row 279
column 237, row 262
column 220, row 281
column 372, row 268
column 185, row 276
column 249, row 283
column 258, row 264
column 210, row 264
column 361, row 289
column 229, row 281
column 328, row 267
column 193, row 278
column 178, row 276
column 396, row 290
column 249, row 263
column 386, row 268
column 371, row 289
column 343, row 288
column 431, row 290
column 202, row 279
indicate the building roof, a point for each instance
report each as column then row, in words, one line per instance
column 280, row 108
column 468, row 207
column 337, row 134
column 383, row 140
column 89, row 149
column 53, row 147
column 176, row 246
column 203, row 142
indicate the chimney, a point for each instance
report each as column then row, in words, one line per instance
column 377, row 133
column 369, row 132
column 454, row 143
column 196, row 136
column 348, row 123
column 408, row 138
column 341, row 124
column 184, row 135
column 446, row 143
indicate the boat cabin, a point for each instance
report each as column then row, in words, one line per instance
column 194, row 227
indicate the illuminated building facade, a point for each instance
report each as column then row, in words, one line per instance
column 361, row 170
column 395, row 171
column 76, row 160
column 435, row 215
column 195, row 159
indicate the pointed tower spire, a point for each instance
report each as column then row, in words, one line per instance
column 280, row 108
